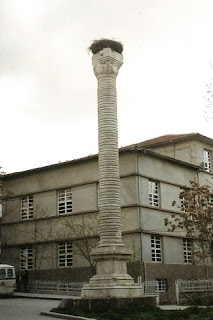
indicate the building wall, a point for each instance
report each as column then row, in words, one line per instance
column 140, row 219
column 48, row 227
column 191, row 151
column 46, row 178
column 184, row 151
column 164, row 170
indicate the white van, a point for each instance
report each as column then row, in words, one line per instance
column 7, row 280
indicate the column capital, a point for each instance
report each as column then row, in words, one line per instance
column 107, row 62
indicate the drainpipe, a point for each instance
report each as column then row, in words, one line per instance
column 140, row 218
column 0, row 207
column 0, row 195
column 139, row 208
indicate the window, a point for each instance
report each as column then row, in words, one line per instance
column 183, row 204
column 161, row 285
column 156, row 248
column 26, row 258
column 27, row 207
column 211, row 200
column 207, row 160
column 153, row 193
column 64, row 201
column 10, row 274
column 2, row 274
column 64, row 254
column 187, row 250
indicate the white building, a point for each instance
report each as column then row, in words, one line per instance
column 40, row 205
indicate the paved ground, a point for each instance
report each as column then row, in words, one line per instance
column 60, row 297
column 44, row 296
column 25, row 309
column 28, row 306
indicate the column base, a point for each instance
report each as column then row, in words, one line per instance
column 111, row 280
column 90, row 291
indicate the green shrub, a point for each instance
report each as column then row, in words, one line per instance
column 148, row 313
column 192, row 310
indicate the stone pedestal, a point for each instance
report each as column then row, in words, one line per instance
column 111, row 279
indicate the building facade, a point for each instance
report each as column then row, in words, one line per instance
column 50, row 214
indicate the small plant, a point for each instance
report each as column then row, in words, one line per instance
column 148, row 313
column 101, row 44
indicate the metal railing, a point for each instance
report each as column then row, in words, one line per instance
column 184, row 286
column 150, row 288
column 195, row 285
column 60, row 287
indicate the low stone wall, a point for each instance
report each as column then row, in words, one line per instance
column 81, row 274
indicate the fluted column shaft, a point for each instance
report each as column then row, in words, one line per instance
column 106, row 70
column 109, row 192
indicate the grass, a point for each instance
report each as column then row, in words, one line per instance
column 192, row 313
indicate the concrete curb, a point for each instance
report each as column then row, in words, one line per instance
column 64, row 316
column 37, row 297
column 42, row 296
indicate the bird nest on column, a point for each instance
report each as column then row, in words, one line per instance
column 101, row 44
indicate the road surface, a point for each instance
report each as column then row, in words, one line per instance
column 25, row 309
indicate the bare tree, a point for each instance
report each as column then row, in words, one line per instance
column 41, row 235
column 196, row 218
column 85, row 235
column 8, row 210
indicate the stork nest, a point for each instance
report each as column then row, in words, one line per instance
column 101, row 44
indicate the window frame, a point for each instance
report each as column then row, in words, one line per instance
column 187, row 251
column 156, row 249
column 162, row 285
column 182, row 204
column 27, row 207
column 154, row 193
column 65, row 201
column 65, row 255
column 207, row 160
column 26, row 260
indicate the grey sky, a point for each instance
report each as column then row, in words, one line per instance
column 48, row 89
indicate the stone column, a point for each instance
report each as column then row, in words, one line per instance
column 106, row 65
column 111, row 279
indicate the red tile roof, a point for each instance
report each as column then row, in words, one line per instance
column 163, row 139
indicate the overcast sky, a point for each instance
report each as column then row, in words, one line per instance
column 48, row 92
